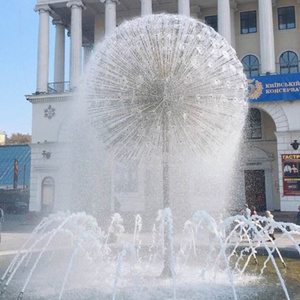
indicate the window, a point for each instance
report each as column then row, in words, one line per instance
column 251, row 65
column 253, row 124
column 212, row 21
column 288, row 62
column 248, row 22
column 286, row 17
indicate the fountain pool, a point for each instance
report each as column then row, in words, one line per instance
column 69, row 256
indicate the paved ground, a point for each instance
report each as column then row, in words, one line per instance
column 17, row 229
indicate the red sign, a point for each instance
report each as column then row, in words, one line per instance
column 291, row 174
column 16, row 173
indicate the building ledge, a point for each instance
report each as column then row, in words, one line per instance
column 44, row 97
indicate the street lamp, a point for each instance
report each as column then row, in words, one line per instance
column 295, row 144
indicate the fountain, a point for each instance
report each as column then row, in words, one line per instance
column 165, row 94
column 68, row 256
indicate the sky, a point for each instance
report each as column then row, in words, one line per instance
column 18, row 61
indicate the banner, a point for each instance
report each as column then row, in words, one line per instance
column 291, row 174
column 274, row 88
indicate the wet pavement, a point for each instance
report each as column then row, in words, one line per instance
column 18, row 228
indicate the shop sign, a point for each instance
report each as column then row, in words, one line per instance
column 274, row 88
column 291, row 174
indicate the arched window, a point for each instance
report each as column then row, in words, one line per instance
column 253, row 124
column 47, row 194
column 288, row 62
column 251, row 65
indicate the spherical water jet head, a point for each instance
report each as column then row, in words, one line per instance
column 165, row 73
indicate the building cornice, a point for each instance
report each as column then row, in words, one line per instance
column 286, row 133
column 46, row 168
column 39, row 98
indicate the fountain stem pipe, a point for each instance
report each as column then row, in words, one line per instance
column 166, row 150
column 167, row 269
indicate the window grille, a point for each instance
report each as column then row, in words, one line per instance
column 251, row 65
column 212, row 21
column 248, row 22
column 288, row 62
column 286, row 17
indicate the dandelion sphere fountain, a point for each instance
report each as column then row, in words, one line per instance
column 170, row 90
column 165, row 70
column 178, row 86
column 162, row 87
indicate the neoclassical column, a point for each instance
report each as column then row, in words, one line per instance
column 110, row 15
column 233, row 9
column 267, row 48
column 146, row 7
column 224, row 25
column 43, row 48
column 76, row 41
column 184, row 7
column 87, row 51
column 196, row 12
column 59, row 55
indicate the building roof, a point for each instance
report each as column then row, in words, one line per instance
column 8, row 154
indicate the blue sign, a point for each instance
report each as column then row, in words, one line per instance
column 274, row 87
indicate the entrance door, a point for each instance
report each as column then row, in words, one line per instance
column 255, row 190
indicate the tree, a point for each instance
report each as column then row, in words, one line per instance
column 19, row 138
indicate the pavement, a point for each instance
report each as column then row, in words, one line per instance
column 18, row 228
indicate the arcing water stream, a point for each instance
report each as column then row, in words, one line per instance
column 69, row 253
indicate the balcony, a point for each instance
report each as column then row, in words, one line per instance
column 59, row 87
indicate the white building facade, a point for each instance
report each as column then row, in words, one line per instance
column 266, row 36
